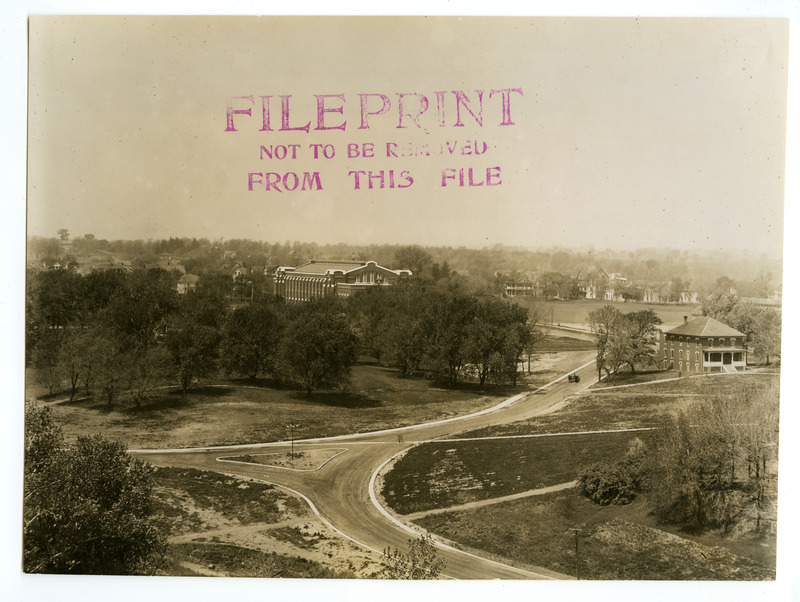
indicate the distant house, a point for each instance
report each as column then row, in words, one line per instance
column 664, row 292
column 187, row 283
column 523, row 285
column 327, row 278
column 239, row 272
column 599, row 284
column 703, row 345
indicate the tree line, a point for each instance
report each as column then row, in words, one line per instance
column 485, row 270
column 711, row 467
column 123, row 336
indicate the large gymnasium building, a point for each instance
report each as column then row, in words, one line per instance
column 326, row 278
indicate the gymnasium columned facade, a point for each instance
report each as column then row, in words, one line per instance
column 325, row 278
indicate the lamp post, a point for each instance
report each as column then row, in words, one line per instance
column 292, row 426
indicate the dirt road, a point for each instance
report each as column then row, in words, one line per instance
column 341, row 491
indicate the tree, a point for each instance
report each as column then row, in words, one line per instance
column 193, row 336
column 767, row 336
column 623, row 338
column 556, row 284
column 761, row 327
column 45, row 360
column 318, row 347
column 251, row 336
column 138, row 311
column 677, row 287
column 398, row 325
column 495, row 338
column 617, row 352
column 449, row 319
column 86, row 508
column 719, row 305
column 413, row 258
column 535, row 333
column 642, row 329
column 604, row 323
column 143, row 370
column 194, row 348
column 421, row 562
column 71, row 360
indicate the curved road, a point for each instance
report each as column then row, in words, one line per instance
column 340, row 491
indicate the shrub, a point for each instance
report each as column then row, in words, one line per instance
column 615, row 482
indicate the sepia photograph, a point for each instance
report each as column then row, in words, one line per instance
column 385, row 298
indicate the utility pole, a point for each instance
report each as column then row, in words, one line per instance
column 577, row 557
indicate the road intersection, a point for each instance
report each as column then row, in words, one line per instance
column 342, row 490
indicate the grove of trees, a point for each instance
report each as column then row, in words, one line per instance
column 711, row 467
column 125, row 336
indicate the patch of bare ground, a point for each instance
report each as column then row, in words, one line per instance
column 310, row 458
column 229, row 527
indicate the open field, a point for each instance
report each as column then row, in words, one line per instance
column 615, row 542
column 577, row 311
column 448, row 473
column 229, row 527
column 233, row 412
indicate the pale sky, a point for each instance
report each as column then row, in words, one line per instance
column 628, row 132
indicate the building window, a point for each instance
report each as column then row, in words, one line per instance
column 733, row 342
column 722, row 342
column 696, row 356
column 680, row 354
column 671, row 353
column 710, row 342
column 696, row 367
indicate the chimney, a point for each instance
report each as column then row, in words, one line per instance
column 685, row 319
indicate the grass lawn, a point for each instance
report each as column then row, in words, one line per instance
column 554, row 343
column 629, row 407
column 449, row 473
column 243, row 411
column 615, row 542
column 228, row 527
